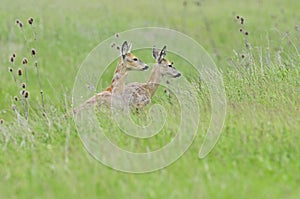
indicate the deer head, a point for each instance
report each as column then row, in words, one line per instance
column 165, row 67
column 130, row 60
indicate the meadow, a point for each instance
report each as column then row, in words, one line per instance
column 258, row 153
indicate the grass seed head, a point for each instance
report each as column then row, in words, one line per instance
column 26, row 94
column 20, row 72
column 33, row 52
column 22, row 92
column 242, row 20
column 24, row 61
column 30, row 20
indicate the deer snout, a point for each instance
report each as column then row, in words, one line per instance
column 178, row 75
column 146, row 67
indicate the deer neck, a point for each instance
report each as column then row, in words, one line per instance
column 154, row 80
column 118, row 75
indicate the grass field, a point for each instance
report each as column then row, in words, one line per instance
column 258, row 153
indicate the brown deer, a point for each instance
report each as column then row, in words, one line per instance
column 138, row 95
column 128, row 61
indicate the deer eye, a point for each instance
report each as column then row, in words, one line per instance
column 134, row 59
column 170, row 65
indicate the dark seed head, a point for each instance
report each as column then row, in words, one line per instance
column 16, row 98
column 1, row 121
column 14, row 55
column 26, row 94
column 17, row 21
column 12, row 59
column 30, row 20
column 243, row 56
column 241, row 30
column 242, row 20
column 113, row 45
column 20, row 24
column 10, row 69
column 237, row 17
column 33, row 51
column 117, row 35
column 22, row 92
column 23, row 85
column 118, row 47
column 24, row 61
column 246, row 33
column 20, row 72
column 41, row 92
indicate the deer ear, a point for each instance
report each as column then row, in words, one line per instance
column 162, row 54
column 155, row 52
column 124, row 48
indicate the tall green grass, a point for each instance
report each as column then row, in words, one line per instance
column 258, row 153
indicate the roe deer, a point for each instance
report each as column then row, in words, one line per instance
column 128, row 61
column 138, row 95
